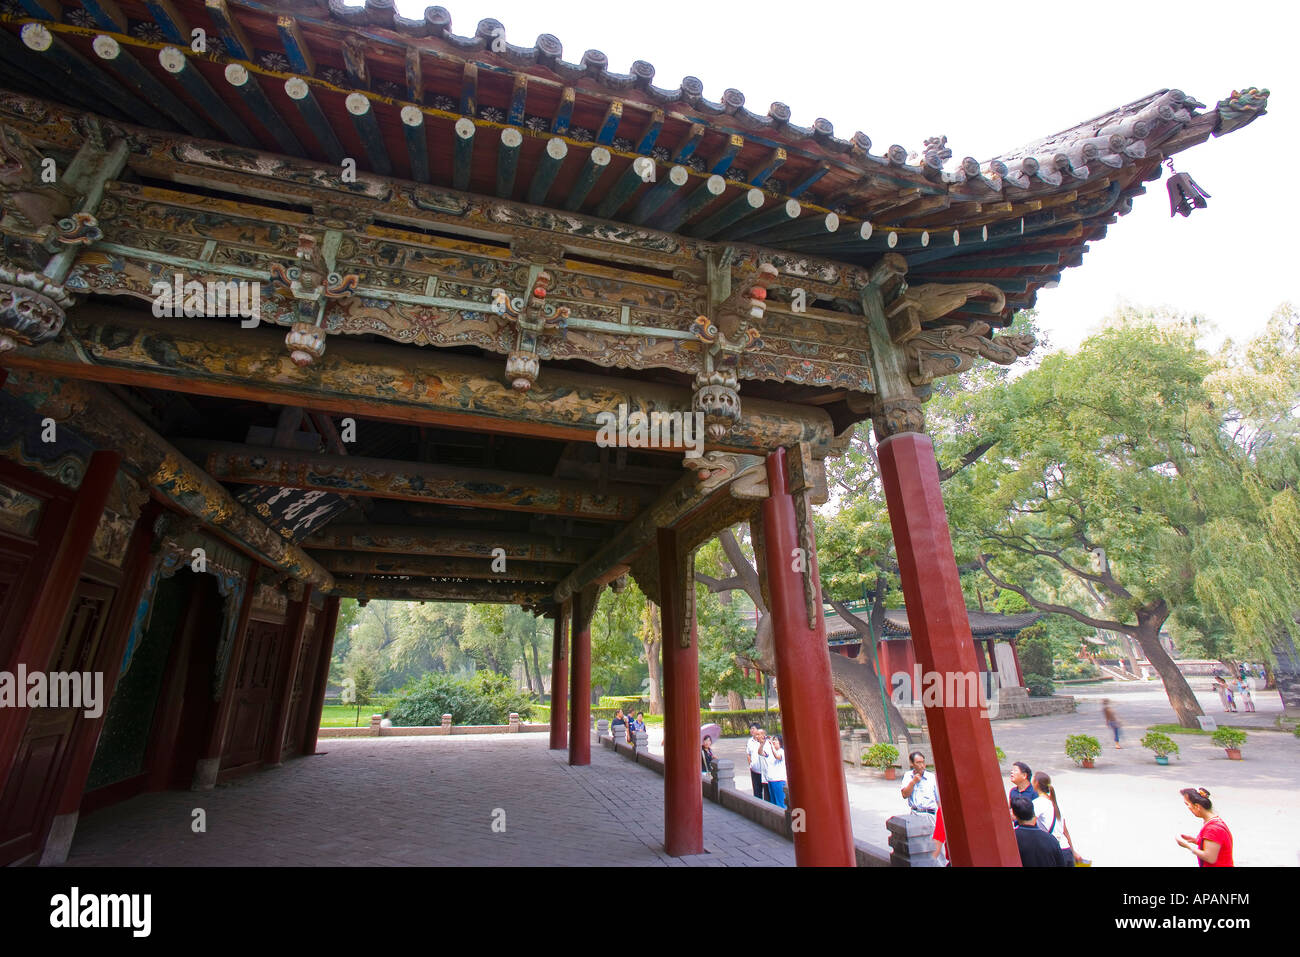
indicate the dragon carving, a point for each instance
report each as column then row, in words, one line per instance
column 948, row 350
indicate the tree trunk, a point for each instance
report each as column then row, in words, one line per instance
column 652, row 640
column 1270, row 679
column 1147, row 635
column 537, row 668
column 857, row 681
column 735, row 702
column 523, row 659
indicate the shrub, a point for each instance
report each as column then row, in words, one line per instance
column 486, row 698
column 1039, row 685
column 1296, row 730
column 1229, row 738
column 1161, row 744
column 880, row 755
column 1035, row 656
column 999, row 754
column 1080, row 747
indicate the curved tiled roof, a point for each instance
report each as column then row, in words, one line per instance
column 982, row 624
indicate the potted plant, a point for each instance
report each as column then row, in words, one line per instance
column 882, row 755
column 1082, row 749
column 1161, row 744
column 1231, row 740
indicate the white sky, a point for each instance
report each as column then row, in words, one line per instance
column 991, row 77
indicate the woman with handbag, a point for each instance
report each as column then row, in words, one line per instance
column 1048, row 813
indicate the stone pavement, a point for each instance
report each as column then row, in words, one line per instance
column 426, row 801
column 1127, row 811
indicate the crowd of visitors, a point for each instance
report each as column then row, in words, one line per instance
column 1042, row 836
column 767, row 764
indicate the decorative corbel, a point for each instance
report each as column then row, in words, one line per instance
column 917, row 305
column 532, row 317
column 312, row 283
column 1239, row 108
column 32, row 308
column 726, row 333
column 948, row 350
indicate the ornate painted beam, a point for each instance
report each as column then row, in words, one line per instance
column 518, row 100
column 693, row 138
column 384, row 382
column 563, row 117
column 295, row 46
column 93, row 412
column 508, row 593
column 486, row 568
column 461, row 543
column 413, row 481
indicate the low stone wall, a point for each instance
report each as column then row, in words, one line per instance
column 375, row 731
column 720, row 788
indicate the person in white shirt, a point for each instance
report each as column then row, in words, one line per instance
column 1048, row 815
column 921, row 789
column 756, row 749
column 774, row 771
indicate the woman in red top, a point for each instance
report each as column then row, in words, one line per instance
column 1213, row 846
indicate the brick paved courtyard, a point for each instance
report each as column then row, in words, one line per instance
column 421, row 801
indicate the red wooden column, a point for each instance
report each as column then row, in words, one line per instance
column 295, row 642
column 135, row 577
column 316, row 704
column 207, row 767
column 560, row 681
column 53, row 602
column 584, row 602
column 808, row 716
column 1015, row 658
column 683, row 797
column 970, row 782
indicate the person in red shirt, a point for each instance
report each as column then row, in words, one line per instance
column 1213, row 846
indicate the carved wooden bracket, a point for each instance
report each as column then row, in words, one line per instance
column 933, row 353
column 312, row 283
column 532, row 317
column 917, row 305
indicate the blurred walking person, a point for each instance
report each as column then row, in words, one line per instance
column 1112, row 721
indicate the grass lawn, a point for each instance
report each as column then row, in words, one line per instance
column 345, row 716
column 1179, row 729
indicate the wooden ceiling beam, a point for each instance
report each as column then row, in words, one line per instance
column 508, row 593
column 387, row 382
column 412, row 481
column 437, row 566
column 459, row 543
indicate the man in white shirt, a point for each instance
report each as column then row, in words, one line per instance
column 920, row 789
column 756, row 749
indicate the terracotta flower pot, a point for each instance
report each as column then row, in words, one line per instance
column 891, row 774
column 1085, row 762
column 1234, row 754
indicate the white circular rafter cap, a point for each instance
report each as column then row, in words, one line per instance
column 172, row 59
column 296, row 88
column 37, row 37
column 511, row 138
column 357, row 104
column 678, row 175
column 464, row 127
column 236, row 74
column 412, row 116
column 105, row 47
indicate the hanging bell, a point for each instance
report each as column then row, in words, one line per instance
column 1185, row 194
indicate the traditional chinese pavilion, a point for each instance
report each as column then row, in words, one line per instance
column 301, row 300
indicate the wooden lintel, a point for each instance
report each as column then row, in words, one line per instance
column 459, row 543
column 380, row 589
column 394, row 383
column 485, row 567
column 413, row 481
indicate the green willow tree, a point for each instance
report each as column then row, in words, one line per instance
column 1114, row 488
